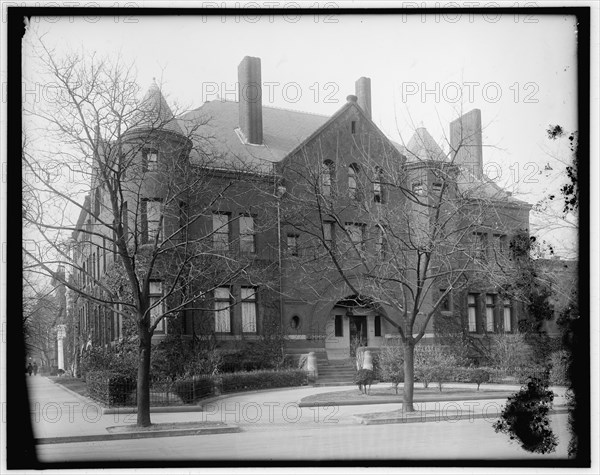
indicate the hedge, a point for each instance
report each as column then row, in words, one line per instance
column 234, row 382
column 190, row 390
column 109, row 388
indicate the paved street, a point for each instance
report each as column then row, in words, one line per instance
column 459, row 440
column 274, row 427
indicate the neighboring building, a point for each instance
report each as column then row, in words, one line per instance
column 271, row 144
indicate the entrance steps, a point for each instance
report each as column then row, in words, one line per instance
column 336, row 373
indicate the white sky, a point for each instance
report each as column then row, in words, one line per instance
column 520, row 71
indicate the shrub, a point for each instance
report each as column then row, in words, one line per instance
column 509, row 351
column 472, row 375
column 364, row 378
column 434, row 363
column 247, row 381
column 525, row 418
column 391, row 362
column 559, row 368
column 109, row 388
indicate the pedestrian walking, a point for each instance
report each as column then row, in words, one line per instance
column 29, row 369
column 35, row 369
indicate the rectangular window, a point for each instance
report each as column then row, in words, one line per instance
column 437, row 187
column 249, row 310
column 356, row 234
column 377, row 325
column 480, row 245
column 150, row 159
column 339, row 325
column 353, row 127
column 222, row 310
column 507, row 316
column 377, row 195
column 153, row 215
column 328, row 234
column 472, row 312
column 247, row 235
column 380, row 242
column 221, row 231
column 292, row 244
column 489, row 312
column 157, row 307
column 500, row 244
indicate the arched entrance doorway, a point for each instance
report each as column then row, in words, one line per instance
column 354, row 321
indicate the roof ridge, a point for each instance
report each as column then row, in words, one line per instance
column 219, row 99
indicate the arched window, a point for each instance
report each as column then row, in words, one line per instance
column 353, row 180
column 327, row 176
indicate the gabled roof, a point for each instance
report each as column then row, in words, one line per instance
column 471, row 186
column 283, row 131
column 155, row 113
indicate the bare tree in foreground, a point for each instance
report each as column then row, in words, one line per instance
column 136, row 187
column 402, row 236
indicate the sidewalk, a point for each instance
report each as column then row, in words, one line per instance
column 60, row 415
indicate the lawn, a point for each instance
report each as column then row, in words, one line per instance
column 386, row 394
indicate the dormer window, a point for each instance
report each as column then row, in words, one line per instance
column 150, row 159
column 353, row 127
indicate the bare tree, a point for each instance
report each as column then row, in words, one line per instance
column 125, row 199
column 402, row 228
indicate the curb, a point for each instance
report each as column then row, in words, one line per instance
column 138, row 435
column 372, row 402
column 153, row 409
column 438, row 417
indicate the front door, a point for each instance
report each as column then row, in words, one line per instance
column 358, row 333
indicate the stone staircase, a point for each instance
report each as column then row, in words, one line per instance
column 335, row 372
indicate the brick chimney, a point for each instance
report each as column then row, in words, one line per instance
column 250, row 100
column 465, row 136
column 362, row 89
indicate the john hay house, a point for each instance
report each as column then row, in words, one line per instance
column 300, row 220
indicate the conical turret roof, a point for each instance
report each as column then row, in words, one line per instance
column 423, row 147
column 155, row 113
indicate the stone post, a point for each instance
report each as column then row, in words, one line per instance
column 367, row 360
column 311, row 366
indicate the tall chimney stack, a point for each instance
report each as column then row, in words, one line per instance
column 363, row 92
column 250, row 100
column 466, row 137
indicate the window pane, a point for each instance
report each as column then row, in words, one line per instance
column 327, row 228
column 507, row 316
column 222, row 293
column 246, row 233
column 472, row 319
column 156, row 287
column 221, row 231
column 248, row 309
column 222, row 317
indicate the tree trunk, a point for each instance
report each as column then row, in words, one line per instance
column 409, row 376
column 143, row 379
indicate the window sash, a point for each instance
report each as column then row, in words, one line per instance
column 292, row 244
column 151, row 158
column 153, row 217
column 507, row 316
column 247, row 235
column 221, row 231
column 472, row 313
column 222, row 307
column 249, row 310
column 489, row 313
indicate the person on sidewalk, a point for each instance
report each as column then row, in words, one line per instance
column 29, row 369
column 35, row 368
